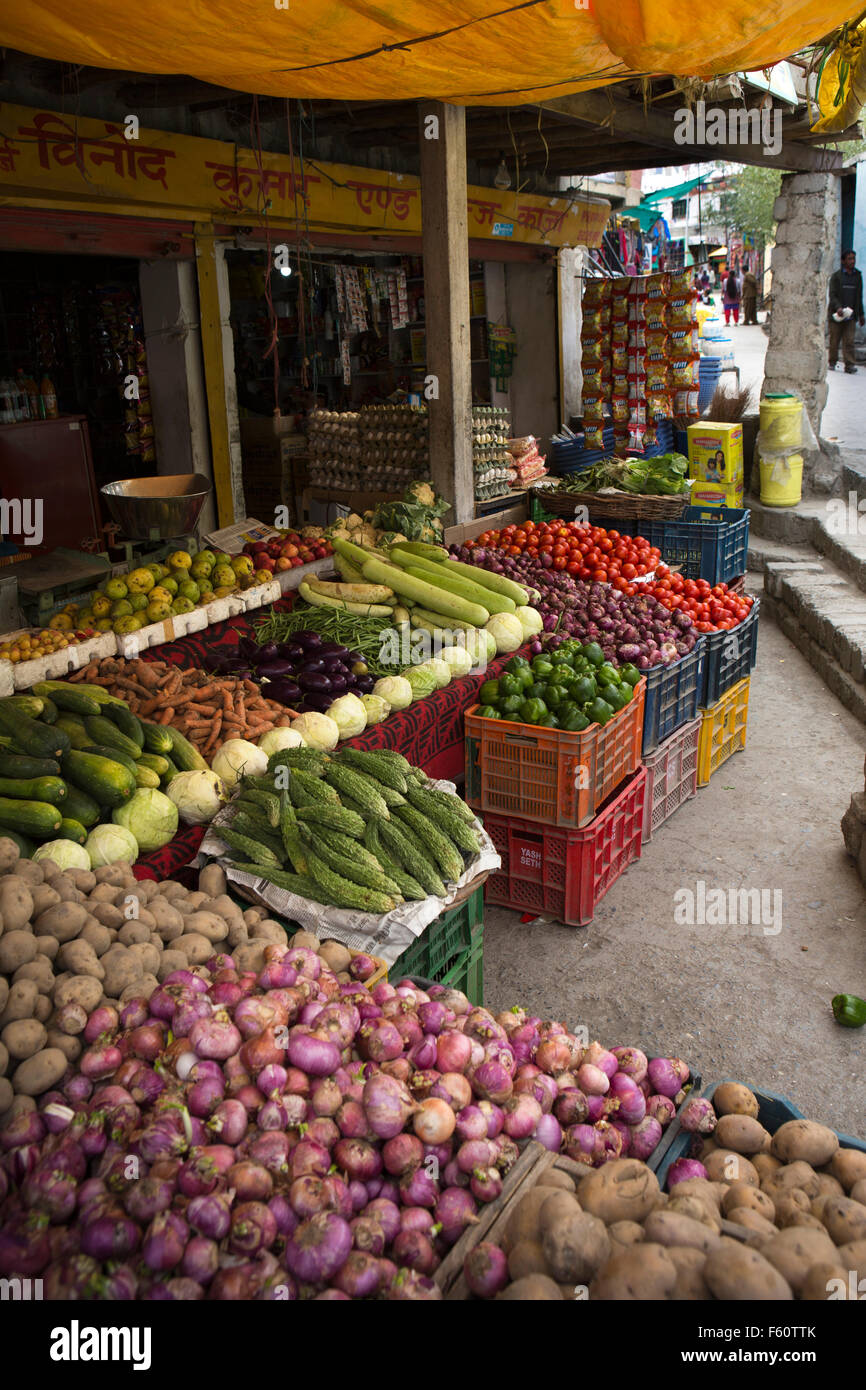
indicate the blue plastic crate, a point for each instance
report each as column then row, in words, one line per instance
column 709, row 371
column 673, row 695
column 731, row 656
column 773, row 1112
column 706, row 542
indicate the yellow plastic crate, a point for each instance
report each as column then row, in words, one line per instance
column 723, row 730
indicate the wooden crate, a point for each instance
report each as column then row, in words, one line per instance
column 534, row 1161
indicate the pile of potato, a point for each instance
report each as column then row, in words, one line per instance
column 779, row 1216
column 73, row 940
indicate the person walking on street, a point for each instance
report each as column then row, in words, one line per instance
column 846, row 306
column 750, row 298
column 731, row 299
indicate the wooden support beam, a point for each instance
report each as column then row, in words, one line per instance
column 219, row 372
column 445, row 239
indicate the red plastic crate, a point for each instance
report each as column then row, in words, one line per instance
column 565, row 873
column 549, row 775
column 672, row 776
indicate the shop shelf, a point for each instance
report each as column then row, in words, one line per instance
column 672, row 776
column 447, row 944
column 723, row 730
column 564, row 873
column 549, row 775
column 731, row 655
column 673, row 695
column 705, row 543
column 773, row 1112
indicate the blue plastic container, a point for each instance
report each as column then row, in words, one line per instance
column 706, row 542
column 674, row 695
column 709, row 371
column 773, row 1112
column 731, row 656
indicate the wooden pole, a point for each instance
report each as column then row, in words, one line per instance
column 445, row 242
column 219, row 373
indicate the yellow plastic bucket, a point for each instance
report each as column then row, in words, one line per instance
column 782, row 481
column 781, row 422
column 702, row 313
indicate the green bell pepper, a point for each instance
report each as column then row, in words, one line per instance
column 489, row 693
column 849, row 1010
column 607, row 674
column 510, row 706
column 533, row 711
column 583, row 691
column 556, row 695
column 509, row 685
column 575, row 721
column 542, row 667
column 489, row 712
column 517, row 664
column 594, row 654
column 599, row 712
column 630, row 674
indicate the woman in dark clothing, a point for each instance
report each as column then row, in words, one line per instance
column 731, row 299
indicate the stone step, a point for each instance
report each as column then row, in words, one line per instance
column 763, row 550
column 851, row 693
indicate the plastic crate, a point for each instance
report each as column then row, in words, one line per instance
column 731, row 655
column 565, row 873
column 443, row 945
column 705, row 543
column 549, row 775
column 466, row 974
column 773, row 1112
column 723, row 730
column 674, row 694
column 672, row 776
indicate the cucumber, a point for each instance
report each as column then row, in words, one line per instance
column 51, row 789
column 110, row 783
column 19, row 765
column 68, row 697
column 171, row 771
column 104, row 750
column 103, row 730
column 145, row 776
column 74, row 729
column 157, row 739
column 37, row 818
column 80, row 807
column 29, row 736
column 182, row 752
column 72, row 830
column 156, row 763
column 27, row 704
column 126, row 722
column 49, row 711
column 26, row 847
column 95, row 692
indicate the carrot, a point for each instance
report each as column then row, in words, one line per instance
column 165, row 716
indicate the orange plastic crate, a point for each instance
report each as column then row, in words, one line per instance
column 549, row 775
column 564, row 873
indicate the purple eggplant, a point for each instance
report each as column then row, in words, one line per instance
column 315, row 681
column 285, row 692
column 291, row 651
column 320, row 703
column 248, row 648
column 364, row 684
column 276, row 669
column 339, row 684
column 308, row 640
column 333, row 649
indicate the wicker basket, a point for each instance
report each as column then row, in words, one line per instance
column 619, row 506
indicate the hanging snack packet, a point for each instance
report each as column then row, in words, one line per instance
column 657, row 340
column 619, row 308
column 619, row 332
column 593, row 436
column 658, row 405
column 592, row 324
column 636, row 415
column 619, row 357
column 593, row 407
column 620, row 442
column 636, row 436
column 683, row 341
column 681, row 283
column 656, row 373
column 619, row 407
column 681, row 312
column 595, row 293
column 594, row 348
column 619, row 385
column 656, row 320
column 636, row 336
column 592, row 376
column 686, row 401
column 683, row 372
column 659, row 286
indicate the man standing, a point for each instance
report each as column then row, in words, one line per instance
column 750, row 297
column 846, row 305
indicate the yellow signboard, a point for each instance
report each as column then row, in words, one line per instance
column 48, row 159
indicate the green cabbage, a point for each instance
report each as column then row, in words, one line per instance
column 440, row 671
column 377, row 708
column 349, row 715
column 239, row 758
column 197, row 796
column 530, row 620
column 66, row 854
column 275, row 739
column 421, row 679
column 395, row 689
column 109, row 844
column 317, row 730
column 506, row 631
column 150, row 816
column 457, row 659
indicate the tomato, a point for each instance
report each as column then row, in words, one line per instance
column 560, row 549
column 573, row 568
column 621, row 584
column 614, row 535
column 629, row 571
column 599, row 576
column 560, row 562
column 514, row 550
column 606, row 545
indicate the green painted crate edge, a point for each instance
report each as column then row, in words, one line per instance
column 466, row 974
column 448, row 938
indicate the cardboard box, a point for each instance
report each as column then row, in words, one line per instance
column 716, row 457
column 456, row 535
column 716, row 494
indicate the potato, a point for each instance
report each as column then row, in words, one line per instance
column 106, row 915
column 554, row 1177
column 858, row 1191
column 741, row 1133
column 335, row 955
column 43, row 1008
column 174, row 893
column 116, row 874
column 170, row 961
column 738, row 1274
column 107, row 894
column 253, row 915
column 527, row 1258
column 63, row 922
column 44, row 897
column 169, row 921
column 703, row 1189
column 7, row 1095
column 524, row 1221
column 142, row 988
column 819, row 1286
column 31, row 872
column 23, row 1038
column 16, row 948
column 85, row 990
column 828, row 1186
column 21, row 1105
column 557, row 1206
column 39, row 1072
column 212, row 880
column 638, row 1274
column 672, row 1228
column 624, row 1234
column 575, row 1247
column 4, row 1059
column 80, row 958
column 753, row 1221
column 790, row 1206
column 726, row 1166
column 764, row 1164
column 132, row 932
column 16, row 902
column 195, row 947
column 225, row 907
column 38, row 969
column 121, row 969
column 622, row 1190
column 844, row 1219
column 21, row 1002
column 97, row 937
column 689, row 1264
column 208, row 924
column 853, row 1256
column 269, row 932
column 701, row 1209
column 534, row 1288
column 794, row 1251
column 82, row 879
column 194, row 901
column 307, row 939
column 848, row 1166
column 65, row 890
column 4, row 992
column 803, row 1139
column 9, row 855
column 743, row 1194
column 732, row 1098
column 148, row 956
column 69, row 1046
column 786, row 1179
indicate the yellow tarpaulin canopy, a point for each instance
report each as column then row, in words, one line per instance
column 465, row 51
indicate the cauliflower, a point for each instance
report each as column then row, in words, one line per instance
column 353, row 522
column 421, row 492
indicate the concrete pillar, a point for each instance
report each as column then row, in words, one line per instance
column 445, row 244
column 803, row 261
column 170, row 313
column 571, row 263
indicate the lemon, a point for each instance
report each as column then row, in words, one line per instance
column 138, row 602
column 223, row 577
column 182, row 605
column 126, row 625
column 103, row 625
column 160, row 594
column 61, row 622
column 121, row 609
column 242, row 564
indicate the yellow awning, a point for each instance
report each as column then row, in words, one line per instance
column 464, row 51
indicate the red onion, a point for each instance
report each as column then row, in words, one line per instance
column 388, row 1106
column 422, row 1054
column 522, row 1114
column 495, row 1118
column 453, row 1051
column 318, row 1248
column 453, row 1088
column 541, row 1088
column 419, row 1189
column 471, row 1123
column 386, row 1213
column 72, row 1019
column 271, row 1151
column 624, row 1132
column 305, row 961
column 253, row 1228
column 631, row 1061
column 454, row 1211
column 549, row 1133
column 421, row 1083
column 592, row 1080
column 215, row 1037
column 357, row 1158
column 200, row 1260
column 310, row 1157
column 382, row 991
column 584, row 1144
column 352, row 1120
column 412, row 1249
column 485, row 1270
column 251, row 1015
column 229, row 1121
column 682, row 1169
column 645, row 1137
column 100, row 1061
column 133, row 1014
column 204, row 1096
column 486, row 1184
column 400, row 1068
column 663, row 1076
column 210, row 1215
column 379, row 1041
column 283, row 1214
column 595, row 1106
column 553, row 1054
column 188, row 1012
column 491, row 1082
column 475, row 1153
column 360, row 1276
column 251, row 1182
column 698, row 1116
column 367, row 1235
column 598, row 1056
column 402, row 1153
column 661, row 1108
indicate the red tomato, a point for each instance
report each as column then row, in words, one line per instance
column 629, row 571
column 560, row 562
column 600, row 576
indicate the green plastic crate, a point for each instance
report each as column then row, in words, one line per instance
column 466, row 974
column 446, row 944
